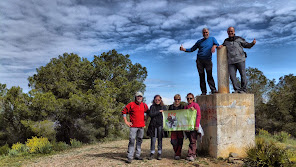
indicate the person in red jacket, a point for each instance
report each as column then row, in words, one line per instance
column 137, row 111
column 192, row 135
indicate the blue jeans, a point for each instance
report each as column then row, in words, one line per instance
column 135, row 134
column 158, row 135
column 241, row 67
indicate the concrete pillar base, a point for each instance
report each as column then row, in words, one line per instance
column 228, row 121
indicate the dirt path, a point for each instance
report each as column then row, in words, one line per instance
column 114, row 154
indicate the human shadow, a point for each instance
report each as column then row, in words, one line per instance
column 115, row 154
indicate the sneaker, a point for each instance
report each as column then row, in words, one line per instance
column 158, row 156
column 242, row 92
column 204, row 93
column 177, row 157
column 129, row 161
column 138, row 158
column 151, row 156
column 190, row 158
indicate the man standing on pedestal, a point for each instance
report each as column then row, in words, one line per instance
column 236, row 58
column 206, row 46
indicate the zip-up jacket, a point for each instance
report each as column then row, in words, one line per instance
column 235, row 52
column 136, row 111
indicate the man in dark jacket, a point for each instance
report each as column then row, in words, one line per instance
column 236, row 58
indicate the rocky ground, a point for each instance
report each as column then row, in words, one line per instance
column 114, row 154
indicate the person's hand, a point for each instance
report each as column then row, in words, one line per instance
column 213, row 49
column 182, row 48
column 192, row 108
column 220, row 46
column 160, row 110
column 254, row 41
column 129, row 124
column 196, row 128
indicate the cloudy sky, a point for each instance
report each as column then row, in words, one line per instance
column 34, row 31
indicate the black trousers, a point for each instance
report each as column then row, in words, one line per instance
column 202, row 66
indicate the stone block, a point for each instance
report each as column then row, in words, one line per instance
column 228, row 121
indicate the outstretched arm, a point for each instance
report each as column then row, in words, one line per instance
column 246, row 44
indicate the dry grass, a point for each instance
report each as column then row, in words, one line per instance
column 114, row 154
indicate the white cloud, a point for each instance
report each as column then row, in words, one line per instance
column 33, row 32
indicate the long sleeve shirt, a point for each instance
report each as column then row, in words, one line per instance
column 136, row 111
column 204, row 47
column 198, row 114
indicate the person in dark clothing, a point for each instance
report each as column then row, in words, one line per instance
column 177, row 136
column 155, row 128
column 236, row 58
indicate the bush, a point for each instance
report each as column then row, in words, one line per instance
column 4, row 149
column 39, row 145
column 41, row 128
column 75, row 143
column 264, row 133
column 266, row 153
column 282, row 136
column 19, row 147
column 13, row 153
column 60, row 146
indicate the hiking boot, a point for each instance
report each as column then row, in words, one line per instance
column 158, row 156
column 138, row 158
column 177, row 157
column 129, row 161
column 151, row 156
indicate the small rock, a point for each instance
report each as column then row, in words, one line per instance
column 234, row 155
column 240, row 162
column 231, row 160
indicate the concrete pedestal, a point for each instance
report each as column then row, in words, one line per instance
column 228, row 121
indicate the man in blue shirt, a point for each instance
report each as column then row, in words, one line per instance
column 206, row 46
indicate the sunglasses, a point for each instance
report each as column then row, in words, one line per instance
column 157, row 100
column 177, row 99
column 189, row 98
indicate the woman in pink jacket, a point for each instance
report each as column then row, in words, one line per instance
column 192, row 135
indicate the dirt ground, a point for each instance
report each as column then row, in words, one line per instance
column 114, row 154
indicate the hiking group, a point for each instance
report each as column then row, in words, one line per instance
column 138, row 111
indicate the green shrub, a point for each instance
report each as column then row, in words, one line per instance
column 41, row 128
column 4, row 149
column 13, row 153
column 39, row 145
column 264, row 133
column 60, row 146
column 266, row 153
column 75, row 143
column 282, row 136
